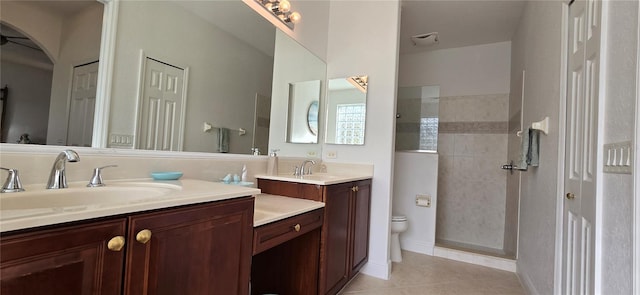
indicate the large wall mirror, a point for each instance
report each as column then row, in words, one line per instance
column 187, row 76
column 346, row 110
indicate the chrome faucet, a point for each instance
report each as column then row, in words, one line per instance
column 58, row 178
column 308, row 171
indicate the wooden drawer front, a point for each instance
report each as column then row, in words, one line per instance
column 276, row 233
column 291, row 189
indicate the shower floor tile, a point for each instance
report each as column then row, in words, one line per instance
column 474, row 249
column 423, row 274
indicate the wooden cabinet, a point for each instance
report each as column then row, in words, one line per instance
column 286, row 255
column 202, row 249
column 67, row 260
column 197, row 249
column 345, row 232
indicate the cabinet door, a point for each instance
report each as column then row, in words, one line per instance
column 334, row 255
column 203, row 249
column 361, row 201
column 69, row 260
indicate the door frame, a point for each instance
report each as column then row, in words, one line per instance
column 636, row 174
column 562, row 120
column 140, row 97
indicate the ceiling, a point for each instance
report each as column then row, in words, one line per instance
column 458, row 23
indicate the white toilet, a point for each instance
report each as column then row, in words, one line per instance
column 399, row 224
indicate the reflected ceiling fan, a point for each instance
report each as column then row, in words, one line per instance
column 13, row 39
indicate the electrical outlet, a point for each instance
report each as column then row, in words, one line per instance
column 423, row 201
column 332, row 154
column 311, row 154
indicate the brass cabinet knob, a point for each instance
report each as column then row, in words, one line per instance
column 296, row 227
column 355, row 188
column 143, row 236
column 570, row 196
column 116, row 243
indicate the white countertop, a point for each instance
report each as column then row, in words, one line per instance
column 182, row 192
column 270, row 208
column 317, row 178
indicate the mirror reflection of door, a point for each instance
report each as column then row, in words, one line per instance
column 261, row 123
column 161, row 117
column 82, row 105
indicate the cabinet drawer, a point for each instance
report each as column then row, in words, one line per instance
column 276, row 233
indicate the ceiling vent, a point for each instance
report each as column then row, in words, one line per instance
column 428, row 39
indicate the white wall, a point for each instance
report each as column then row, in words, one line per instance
column 619, row 118
column 224, row 73
column 472, row 70
column 416, row 173
column 363, row 40
column 301, row 96
column 537, row 48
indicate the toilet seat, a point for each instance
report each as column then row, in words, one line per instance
column 398, row 218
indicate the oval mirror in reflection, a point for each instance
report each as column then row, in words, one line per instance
column 346, row 110
column 312, row 117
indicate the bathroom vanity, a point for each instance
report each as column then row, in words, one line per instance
column 192, row 238
column 344, row 240
column 160, row 252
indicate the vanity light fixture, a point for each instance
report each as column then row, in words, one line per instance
column 360, row 82
column 282, row 10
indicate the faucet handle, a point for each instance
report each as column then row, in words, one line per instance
column 96, row 179
column 12, row 184
column 296, row 171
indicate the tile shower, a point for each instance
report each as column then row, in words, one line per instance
column 472, row 189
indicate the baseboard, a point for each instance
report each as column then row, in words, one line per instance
column 376, row 269
column 474, row 258
column 526, row 283
column 417, row 246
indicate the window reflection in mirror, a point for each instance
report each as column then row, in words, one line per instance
column 303, row 112
column 49, row 64
column 417, row 118
column 346, row 110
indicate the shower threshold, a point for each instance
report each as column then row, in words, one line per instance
column 500, row 253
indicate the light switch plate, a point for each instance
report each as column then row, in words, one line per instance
column 120, row 140
column 618, row 157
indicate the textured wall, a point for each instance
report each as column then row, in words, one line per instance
column 619, row 112
column 472, row 144
column 537, row 48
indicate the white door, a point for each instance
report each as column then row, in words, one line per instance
column 161, row 118
column 83, row 104
column 579, row 215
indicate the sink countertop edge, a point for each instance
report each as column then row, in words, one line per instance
column 193, row 192
column 331, row 178
column 301, row 206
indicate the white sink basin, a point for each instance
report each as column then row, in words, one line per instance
column 79, row 197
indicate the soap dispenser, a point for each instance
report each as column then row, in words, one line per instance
column 272, row 163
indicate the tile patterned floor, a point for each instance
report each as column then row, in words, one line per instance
column 421, row 274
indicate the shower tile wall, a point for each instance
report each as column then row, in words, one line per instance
column 472, row 144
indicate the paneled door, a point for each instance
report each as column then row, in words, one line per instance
column 579, row 210
column 83, row 104
column 161, row 117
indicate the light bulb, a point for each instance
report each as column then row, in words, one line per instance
column 284, row 6
column 268, row 5
column 294, row 17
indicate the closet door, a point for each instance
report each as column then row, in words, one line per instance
column 579, row 210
